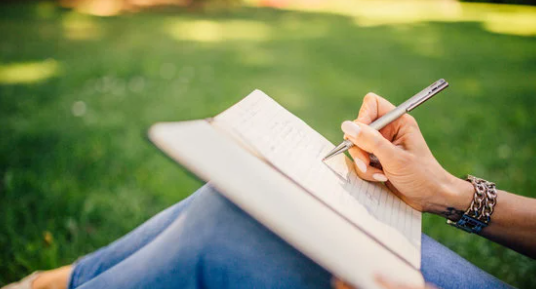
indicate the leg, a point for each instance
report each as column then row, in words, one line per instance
column 446, row 269
column 103, row 259
column 214, row 244
column 220, row 246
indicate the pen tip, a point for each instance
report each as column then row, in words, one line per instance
column 327, row 157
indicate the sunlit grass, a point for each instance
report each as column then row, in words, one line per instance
column 78, row 26
column 506, row 19
column 96, row 7
column 214, row 31
column 521, row 23
column 28, row 72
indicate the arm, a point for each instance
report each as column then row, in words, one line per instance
column 513, row 221
column 410, row 170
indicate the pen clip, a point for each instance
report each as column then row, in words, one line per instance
column 428, row 92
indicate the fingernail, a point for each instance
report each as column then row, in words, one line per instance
column 350, row 128
column 360, row 165
column 380, row 177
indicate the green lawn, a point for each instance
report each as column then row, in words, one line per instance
column 78, row 93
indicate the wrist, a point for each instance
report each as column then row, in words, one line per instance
column 456, row 196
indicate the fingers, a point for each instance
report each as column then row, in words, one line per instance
column 382, row 281
column 338, row 284
column 371, row 141
column 388, row 284
column 364, row 169
column 373, row 107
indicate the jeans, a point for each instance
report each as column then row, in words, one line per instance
column 206, row 241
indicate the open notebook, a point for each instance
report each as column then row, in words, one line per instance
column 269, row 162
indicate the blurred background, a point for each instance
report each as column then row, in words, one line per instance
column 82, row 81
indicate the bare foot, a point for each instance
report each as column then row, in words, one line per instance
column 53, row 279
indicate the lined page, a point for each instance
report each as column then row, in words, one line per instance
column 295, row 149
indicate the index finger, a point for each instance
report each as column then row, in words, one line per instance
column 373, row 107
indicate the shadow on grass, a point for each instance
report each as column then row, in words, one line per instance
column 74, row 161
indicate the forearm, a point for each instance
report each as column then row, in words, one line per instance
column 513, row 222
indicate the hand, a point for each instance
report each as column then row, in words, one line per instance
column 407, row 165
column 383, row 282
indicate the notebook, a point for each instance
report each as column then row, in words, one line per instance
column 269, row 163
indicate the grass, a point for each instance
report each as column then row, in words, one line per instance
column 77, row 94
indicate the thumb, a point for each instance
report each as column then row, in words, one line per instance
column 369, row 140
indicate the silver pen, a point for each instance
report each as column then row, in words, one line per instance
column 394, row 114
